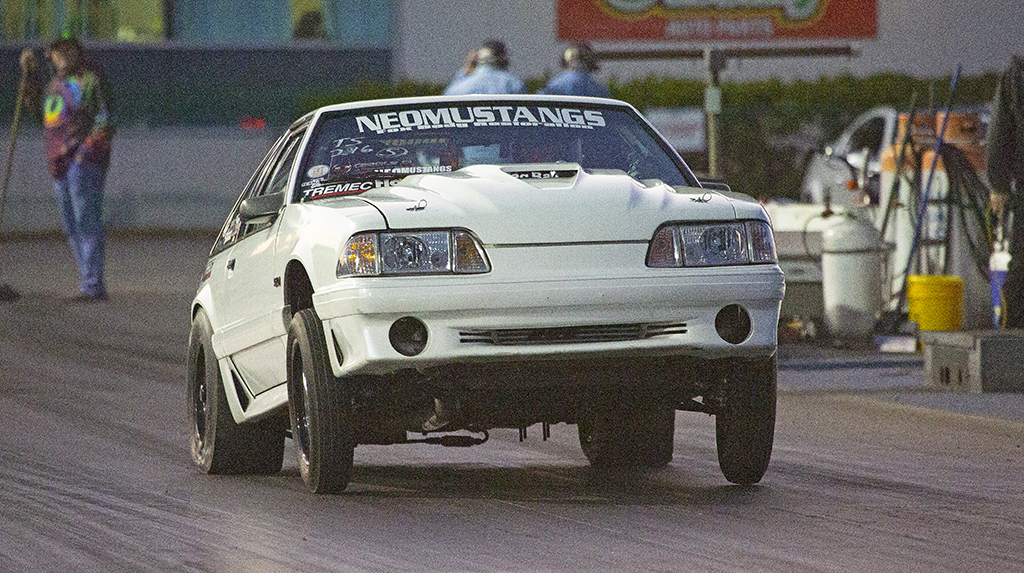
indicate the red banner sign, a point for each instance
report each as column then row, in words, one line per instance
column 701, row 20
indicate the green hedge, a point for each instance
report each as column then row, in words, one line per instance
column 768, row 128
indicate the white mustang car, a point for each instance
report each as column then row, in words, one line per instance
column 424, row 270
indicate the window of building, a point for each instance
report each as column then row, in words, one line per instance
column 104, row 20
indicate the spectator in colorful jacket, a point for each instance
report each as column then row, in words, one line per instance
column 579, row 62
column 491, row 74
column 77, row 131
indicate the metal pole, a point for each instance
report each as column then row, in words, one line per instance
column 730, row 53
column 714, row 60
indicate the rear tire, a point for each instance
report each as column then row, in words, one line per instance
column 745, row 422
column 627, row 432
column 320, row 408
column 217, row 443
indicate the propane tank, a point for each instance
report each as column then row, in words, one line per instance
column 852, row 258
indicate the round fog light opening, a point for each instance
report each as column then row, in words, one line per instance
column 408, row 336
column 733, row 324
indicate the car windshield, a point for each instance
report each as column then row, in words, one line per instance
column 354, row 151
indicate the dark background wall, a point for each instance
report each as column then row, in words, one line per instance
column 182, row 153
column 162, row 85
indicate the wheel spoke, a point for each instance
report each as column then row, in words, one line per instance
column 200, row 405
column 303, row 419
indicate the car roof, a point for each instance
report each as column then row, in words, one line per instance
column 534, row 98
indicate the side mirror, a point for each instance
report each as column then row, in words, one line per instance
column 261, row 206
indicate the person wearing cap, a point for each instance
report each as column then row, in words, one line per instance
column 491, row 74
column 579, row 62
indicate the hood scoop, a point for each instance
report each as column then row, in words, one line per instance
column 545, row 174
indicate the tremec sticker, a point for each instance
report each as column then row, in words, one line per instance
column 477, row 116
column 348, row 188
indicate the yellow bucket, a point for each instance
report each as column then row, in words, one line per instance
column 936, row 302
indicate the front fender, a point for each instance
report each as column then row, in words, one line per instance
column 314, row 235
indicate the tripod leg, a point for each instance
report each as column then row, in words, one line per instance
column 7, row 293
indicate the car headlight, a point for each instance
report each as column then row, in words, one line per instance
column 762, row 242
column 712, row 244
column 412, row 252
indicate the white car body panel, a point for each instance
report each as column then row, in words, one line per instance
column 361, row 322
column 616, row 207
column 261, row 365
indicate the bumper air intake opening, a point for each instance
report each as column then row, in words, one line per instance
column 408, row 336
column 733, row 324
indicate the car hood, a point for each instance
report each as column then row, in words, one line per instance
column 553, row 203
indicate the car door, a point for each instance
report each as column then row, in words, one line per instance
column 253, row 299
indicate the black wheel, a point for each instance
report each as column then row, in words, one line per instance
column 745, row 421
column 218, row 444
column 320, row 408
column 628, row 432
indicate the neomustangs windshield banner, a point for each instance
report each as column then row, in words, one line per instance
column 698, row 20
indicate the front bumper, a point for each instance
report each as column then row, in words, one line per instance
column 485, row 319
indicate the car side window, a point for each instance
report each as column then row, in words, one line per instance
column 273, row 170
column 278, row 178
column 275, row 180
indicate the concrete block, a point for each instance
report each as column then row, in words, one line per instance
column 974, row 361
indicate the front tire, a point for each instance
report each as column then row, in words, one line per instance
column 320, row 408
column 745, row 422
column 217, row 443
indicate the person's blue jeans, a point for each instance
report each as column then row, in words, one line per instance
column 80, row 207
